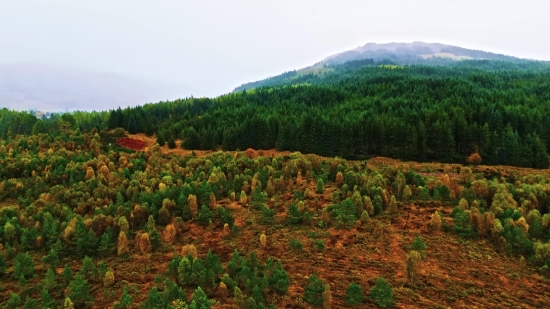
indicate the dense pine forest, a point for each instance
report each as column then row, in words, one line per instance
column 354, row 110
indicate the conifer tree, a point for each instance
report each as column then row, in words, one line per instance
column 320, row 187
column 47, row 300
column 50, row 280
column 80, row 291
column 52, row 259
column 382, row 293
column 313, row 291
column 67, row 274
column 354, row 294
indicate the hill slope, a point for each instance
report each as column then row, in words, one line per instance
column 389, row 53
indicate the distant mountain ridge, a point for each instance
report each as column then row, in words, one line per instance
column 389, row 53
column 413, row 51
column 54, row 89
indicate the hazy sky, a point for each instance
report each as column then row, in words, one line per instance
column 214, row 46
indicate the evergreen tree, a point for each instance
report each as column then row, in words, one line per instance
column 50, row 280
column 313, row 292
column 200, row 300
column 14, row 301
column 354, row 294
column 382, row 293
column 67, row 274
column 52, row 259
column 154, row 300
column 80, row 291
column 125, row 300
column 47, row 301
column 320, row 187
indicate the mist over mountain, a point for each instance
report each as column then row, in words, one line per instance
column 51, row 88
column 387, row 53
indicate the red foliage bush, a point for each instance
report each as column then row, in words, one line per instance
column 131, row 143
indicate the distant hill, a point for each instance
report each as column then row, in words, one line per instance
column 51, row 88
column 388, row 53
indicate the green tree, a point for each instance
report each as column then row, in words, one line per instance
column 320, row 187
column 47, row 301
column 14, row 301
column 419, row 245
column 313, row 292
column 67, row 274
column 382, row 293
column 52, row 259
column 125, row 300
column 24, row 267
column 205, row 215
column 154, row 300
column 80, row 291
column 354, row 294
column 30, row 303
column 200, row 300
column 50, row 280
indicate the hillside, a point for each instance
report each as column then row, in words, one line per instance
column 388, row 53
column 55, row 89
column 97, row 226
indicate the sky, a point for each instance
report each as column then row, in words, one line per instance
column 215, row 46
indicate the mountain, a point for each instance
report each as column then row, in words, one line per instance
column 388, row 53
column 51, row 88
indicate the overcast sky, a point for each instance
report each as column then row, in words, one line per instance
column 214, row 46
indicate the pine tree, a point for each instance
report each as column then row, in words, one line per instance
column 354, row 294
column 88, row 270
column 50, row 280
column 313, row 292
column 47, row 301
column 200, row 300
column 80, row 291
column 24, row 267
column 154, row 300
column 14, row 301
column 125, row 300
column 52, row 259
column 320, row 187
column 30, row 303
column 382, row 293
column 67, row 274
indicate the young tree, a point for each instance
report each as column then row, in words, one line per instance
column 50, row 280
column 67, row 274
column 354, row 294
column 474, row 159
column 435, row 222
column 125, row 300
column 200, row 300
column 80, row 291
column 327, row 297
column 88, row 270
column 123, row 245
column 313, row 292
column 68, row 304
column 320, row 187
column 108, row 279
column 144, row 244
column 14, row 301
column 392, row 207
column 419, row 245
column 47, row 300
column 382, row 293
column 52, row 259
column 412, row 265
column 24, row 267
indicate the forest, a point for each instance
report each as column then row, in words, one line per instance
column 355, row 110
column 81, row 226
